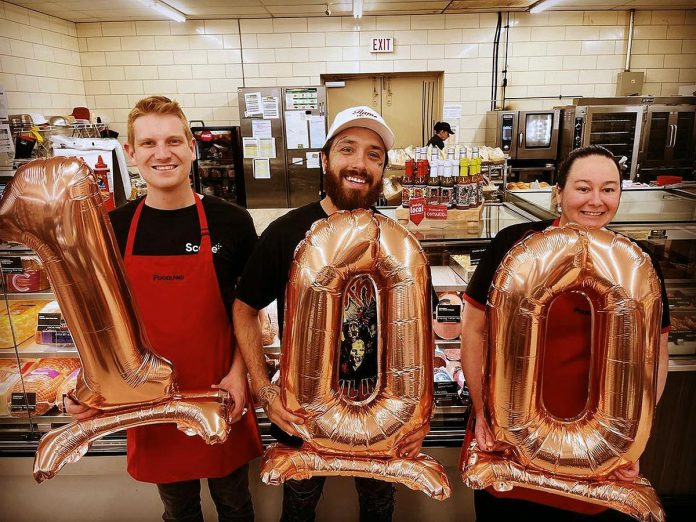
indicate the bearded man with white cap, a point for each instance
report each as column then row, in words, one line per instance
column 354, row 157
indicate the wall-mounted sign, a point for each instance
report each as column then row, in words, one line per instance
column 382, row 45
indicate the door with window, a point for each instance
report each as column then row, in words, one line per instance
column 410, row 104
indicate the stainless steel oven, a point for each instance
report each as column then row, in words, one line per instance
column 616, row 127
column 527, row 135
column 668, row 145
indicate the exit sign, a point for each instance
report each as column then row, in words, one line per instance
column 382, row 45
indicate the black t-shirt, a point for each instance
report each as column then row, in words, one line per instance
column 436, row 141
column 481, row 281
column 266, row 273
column 177, row 232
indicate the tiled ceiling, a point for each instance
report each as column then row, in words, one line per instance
column 120, row 10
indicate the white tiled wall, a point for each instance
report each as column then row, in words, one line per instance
column 39, row 62
column 203, row 62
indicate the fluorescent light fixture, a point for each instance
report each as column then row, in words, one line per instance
column 357, row 8
column 166, row 10
column 543, row 5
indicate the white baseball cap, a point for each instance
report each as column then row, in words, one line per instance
column 361, row 116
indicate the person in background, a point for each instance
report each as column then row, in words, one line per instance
column 206, row 241
column 589, row 190
column 354, row 157
column 442, row 132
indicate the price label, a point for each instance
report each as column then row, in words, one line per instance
column 23, row 402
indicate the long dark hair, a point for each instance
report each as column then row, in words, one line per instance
column 584, row 152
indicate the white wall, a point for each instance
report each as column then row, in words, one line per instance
column 39, row 62
column 200, row 62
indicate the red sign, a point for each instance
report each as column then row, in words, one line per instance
column 436, row 211
column 416, row 210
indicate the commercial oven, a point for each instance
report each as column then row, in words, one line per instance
column 657, row 135
column 668, row 144
column 527, row 135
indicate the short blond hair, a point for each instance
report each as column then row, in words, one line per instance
column 156, row 105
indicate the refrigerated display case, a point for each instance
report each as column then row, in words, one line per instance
column 217, row 170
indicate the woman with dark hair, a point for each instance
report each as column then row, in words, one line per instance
column 442, row 132
column 589, row 190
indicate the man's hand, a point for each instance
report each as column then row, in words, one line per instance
column 484, row 434
column 627, row 473
column 78, row 411
column 268, row 398
column 235, row 385
column 411, row 445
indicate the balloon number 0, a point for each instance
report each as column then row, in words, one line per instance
column 344, row 437
column 572, row 457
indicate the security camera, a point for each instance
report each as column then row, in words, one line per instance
column 327, row 12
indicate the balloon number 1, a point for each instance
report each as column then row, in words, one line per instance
column 54, row 206
column 572, row 457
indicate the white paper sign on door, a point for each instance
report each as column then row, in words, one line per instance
column 261, row 128
column 250, row 147
column 253, row 104
column 317, row 131
column 296, row 135
column 270, row 108
column 262, row 168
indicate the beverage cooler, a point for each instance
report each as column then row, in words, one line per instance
column 282, row 132
column 217, row 170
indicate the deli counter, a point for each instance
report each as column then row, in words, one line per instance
column 38, row 361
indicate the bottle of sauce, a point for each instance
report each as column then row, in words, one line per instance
column 433, row 197
column 407, row 183
column 461, row 195
column 447, row 185
column 101, row 171
column 475, row 175
column 421, row 178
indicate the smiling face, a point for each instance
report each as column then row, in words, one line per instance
column 357, row 353
column 162, row 152
column 592, row 192
column 354, row 168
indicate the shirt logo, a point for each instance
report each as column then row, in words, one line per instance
column 190, row 247
column 168, row 277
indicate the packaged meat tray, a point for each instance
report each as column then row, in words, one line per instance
column 51, row 328
column 24, row 274
column 9, row 376
column 24, row 316
column 41, row 385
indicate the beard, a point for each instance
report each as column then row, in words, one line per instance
column 350, row 199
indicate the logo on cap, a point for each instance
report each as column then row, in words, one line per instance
column 362, row 112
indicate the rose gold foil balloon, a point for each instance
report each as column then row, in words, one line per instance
column 342, row 436
column 572, row 457
column 54, row 207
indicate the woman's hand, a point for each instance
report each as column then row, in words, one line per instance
column 627, row 473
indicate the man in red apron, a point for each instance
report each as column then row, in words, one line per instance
column 183, row 254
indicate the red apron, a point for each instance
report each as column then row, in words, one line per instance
column 186, row 322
